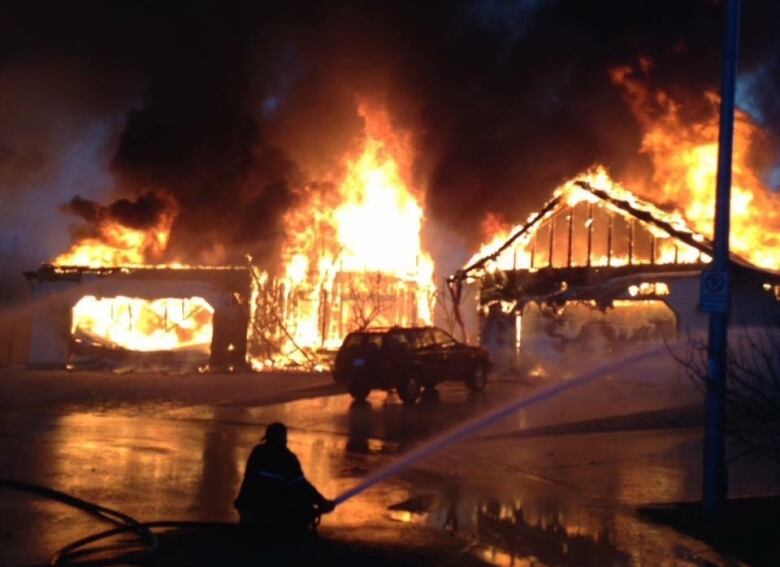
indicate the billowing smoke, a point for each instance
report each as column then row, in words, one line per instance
column 143, row 213
column 227, row 108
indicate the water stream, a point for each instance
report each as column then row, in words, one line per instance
column 479, row 422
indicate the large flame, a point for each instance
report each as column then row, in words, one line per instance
column 684, row 155
column 139, row 324
column 371, row 221
column 113, row 244
column 353, row 257
column 519, row 255
column 684, row 159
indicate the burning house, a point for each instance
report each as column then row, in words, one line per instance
column 351, row 257
column 596, row 270
column 138, row 317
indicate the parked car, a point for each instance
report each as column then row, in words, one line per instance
column 407, row 360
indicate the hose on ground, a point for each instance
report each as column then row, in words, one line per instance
column 77, row 552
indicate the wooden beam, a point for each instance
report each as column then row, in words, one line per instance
column 571, row 231
column 652, row 248
column 590, row 231
column 537, row 218
column 552, row 242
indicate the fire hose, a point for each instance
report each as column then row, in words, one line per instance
column 77, row 552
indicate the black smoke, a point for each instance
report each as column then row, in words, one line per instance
column 228, row 107
column 143, row 213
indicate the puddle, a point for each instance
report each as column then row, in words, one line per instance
column 512, row 532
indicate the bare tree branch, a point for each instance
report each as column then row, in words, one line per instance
column 752, row 390
column 367, row 299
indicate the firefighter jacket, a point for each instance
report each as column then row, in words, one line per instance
column 273, row 479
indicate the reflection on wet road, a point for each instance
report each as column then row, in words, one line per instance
column 561, row 500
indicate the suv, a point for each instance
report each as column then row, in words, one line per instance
column 407, row 359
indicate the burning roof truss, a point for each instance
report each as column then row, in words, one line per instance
column 593, row 241
column 585, row 225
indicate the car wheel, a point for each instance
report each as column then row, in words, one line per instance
column 409, row 390
column 359, row 391
column 478, row 379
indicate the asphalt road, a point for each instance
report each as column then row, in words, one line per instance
column 523, row 492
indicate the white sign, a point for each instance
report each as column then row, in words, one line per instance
column 714, row 291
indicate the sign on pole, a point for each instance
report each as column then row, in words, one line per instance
column 714, row 291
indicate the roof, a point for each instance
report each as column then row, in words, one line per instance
column 393, row 329
column 619, row 201
column 49, row 273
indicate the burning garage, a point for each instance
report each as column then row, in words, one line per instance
column 351, row 257
column 140, row 317
column 595, row 271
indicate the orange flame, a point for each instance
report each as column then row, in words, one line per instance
column 133, row 323
column 684, row 159
column 144, row 325
column 353, row 255
column 684, row 156
column 519, row 254
column 115, row 245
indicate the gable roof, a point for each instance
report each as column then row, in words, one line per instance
column 617, row 200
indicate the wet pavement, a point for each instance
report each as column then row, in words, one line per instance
column 174, row 447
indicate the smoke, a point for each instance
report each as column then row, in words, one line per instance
column 143, row 213
column 228, row 109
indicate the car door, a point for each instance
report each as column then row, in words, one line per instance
column 427, row 357
column 462, row 359
column 397, row 350
column 452, row 359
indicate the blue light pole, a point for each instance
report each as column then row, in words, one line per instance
column 715, row 479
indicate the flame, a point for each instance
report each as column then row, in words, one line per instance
column 139, row 324
column 114, row 244
column 353, row 255
column 352, row 258
column 571, row 194
column 132, row 323
column 684, row 158
column 684, row 155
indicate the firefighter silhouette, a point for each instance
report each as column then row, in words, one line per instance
column 274, row 492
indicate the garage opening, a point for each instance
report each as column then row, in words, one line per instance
column 578, row 333
column 136, row 325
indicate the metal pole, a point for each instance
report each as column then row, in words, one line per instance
column 715, row 480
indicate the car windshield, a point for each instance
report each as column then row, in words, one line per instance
column 363, row 340
column 400, row 339
column 442, row 339
column 397, row 341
